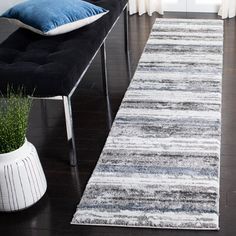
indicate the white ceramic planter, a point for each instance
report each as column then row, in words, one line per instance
column 22, row 180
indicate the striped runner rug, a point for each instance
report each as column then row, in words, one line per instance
column 160, row 165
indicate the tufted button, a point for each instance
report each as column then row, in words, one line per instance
column 8, row 55
column 47, row 45
column 35, row 56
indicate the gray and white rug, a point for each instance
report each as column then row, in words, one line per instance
column 160, row 165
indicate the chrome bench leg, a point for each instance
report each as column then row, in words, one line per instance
column 105, row 83
column 104, row 69
column 70, row 131
column 127, row 45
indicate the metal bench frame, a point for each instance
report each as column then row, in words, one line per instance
column 67, row 99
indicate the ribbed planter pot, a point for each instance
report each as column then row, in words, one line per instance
column 22, row 180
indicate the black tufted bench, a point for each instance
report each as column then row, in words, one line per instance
column 54, row 66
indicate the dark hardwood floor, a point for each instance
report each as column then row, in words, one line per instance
column 52, row 215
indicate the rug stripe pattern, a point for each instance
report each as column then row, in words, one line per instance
column 160, row 165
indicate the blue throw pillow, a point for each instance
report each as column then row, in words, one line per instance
column 53, row 17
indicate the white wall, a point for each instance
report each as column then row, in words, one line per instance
column 6, row 4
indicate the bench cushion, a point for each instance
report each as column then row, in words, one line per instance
column 52, row 65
